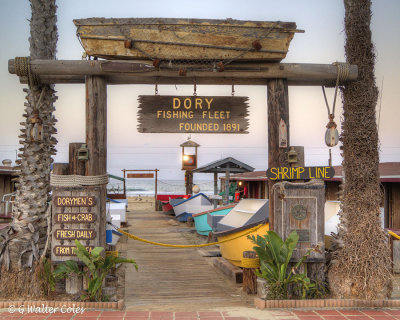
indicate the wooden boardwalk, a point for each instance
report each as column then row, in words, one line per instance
column 171, row 278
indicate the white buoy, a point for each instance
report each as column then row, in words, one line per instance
column 196, row 189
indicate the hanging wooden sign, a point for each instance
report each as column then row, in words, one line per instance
column 193, row 114
column 75, row 215
column 140, row 175
column 300, row 173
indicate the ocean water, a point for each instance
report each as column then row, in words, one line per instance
column 137, row 187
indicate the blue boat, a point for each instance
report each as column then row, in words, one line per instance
column 195, row 204
column 200, row 219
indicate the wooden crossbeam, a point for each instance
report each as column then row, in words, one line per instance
column 141, row 72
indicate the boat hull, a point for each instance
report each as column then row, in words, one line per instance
column 233, row 250
column 200, row 220
column 185, row 39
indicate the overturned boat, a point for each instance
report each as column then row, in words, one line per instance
column 195, row 204
column 185, row 39
column 247, row 214
column 200, row 219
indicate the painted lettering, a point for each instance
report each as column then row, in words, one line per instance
column 176, row 103
column 209, row 102
column 187, row 103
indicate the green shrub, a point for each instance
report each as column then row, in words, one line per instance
column 275, row 255
column 97, row 267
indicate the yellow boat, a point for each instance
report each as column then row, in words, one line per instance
column 246, row 215
column 233, row 250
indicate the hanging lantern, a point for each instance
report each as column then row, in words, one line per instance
column 189, row 160
column 331, row 134
column 35, row 128
column 83, row 152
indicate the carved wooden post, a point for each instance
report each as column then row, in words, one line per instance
column 278, row 109
column 96, row 141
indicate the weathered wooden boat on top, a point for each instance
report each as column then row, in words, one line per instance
column 185, row 39
column 195, row 204
column 200, row 219
column 248, row 213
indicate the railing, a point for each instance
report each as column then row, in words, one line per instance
column 7, row 203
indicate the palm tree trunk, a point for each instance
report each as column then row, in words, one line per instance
column 23, row 242
column 361, row 267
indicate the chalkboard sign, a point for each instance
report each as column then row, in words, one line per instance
column 300, row 173
column 193, row 114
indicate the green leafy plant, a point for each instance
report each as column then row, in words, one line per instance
column 97, row 267
column 45, row 274
column 275, row 255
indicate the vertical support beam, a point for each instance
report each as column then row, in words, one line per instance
column 76, row 166
column 96, row 125
column 227, row 177
column 155, row 191
column 96, row 141
column 215, row 188
column 278, row 108
column 124, row 182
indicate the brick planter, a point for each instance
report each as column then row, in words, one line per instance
column 323, row 303
column 116, row 305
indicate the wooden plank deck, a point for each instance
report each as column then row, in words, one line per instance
column 171, row 278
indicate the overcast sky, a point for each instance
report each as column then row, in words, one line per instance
column 322, row 42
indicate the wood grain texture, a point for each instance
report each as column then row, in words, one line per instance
column 311, row 196
column 74, row 71
column 76, row 166
column 201, row 114
column 278, row 108
column 184, row 39
column 249, row 276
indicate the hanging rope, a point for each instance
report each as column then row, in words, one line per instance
column 251, row 263
column 77, row 180
column 132, row 236
column 23, row 69
column 343, row 70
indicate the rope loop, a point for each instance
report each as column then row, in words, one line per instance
column 251, row 263
column 57, row 180
column 23, row 69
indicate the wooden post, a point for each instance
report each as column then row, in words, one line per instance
column 215, row 188
column 96, row 141
column 76, row 166
column 278, row 109
column 124, row 183
column 226, row 200
column 189, row 181
column 249, row 275
column 155, row 191
column 61, row 168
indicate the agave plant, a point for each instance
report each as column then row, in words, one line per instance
column 275, row 255
column 97, row 269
